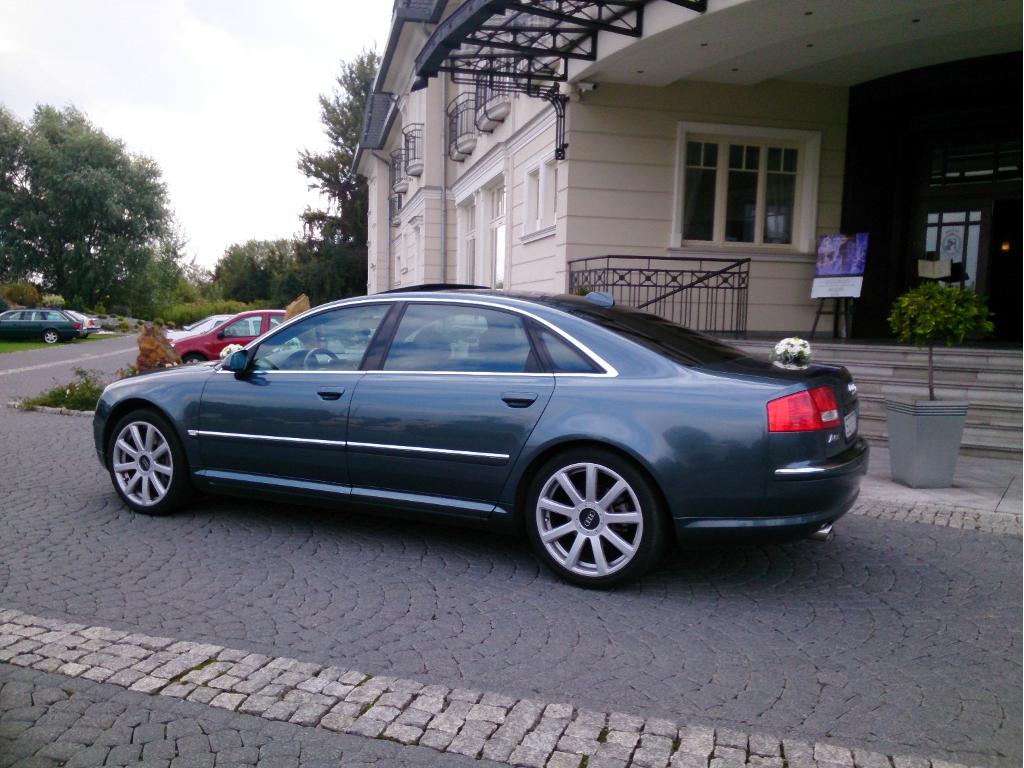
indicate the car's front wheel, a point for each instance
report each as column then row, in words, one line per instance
column 594, row 518
column 193, row 358
column 147, row 463
column 50, row 336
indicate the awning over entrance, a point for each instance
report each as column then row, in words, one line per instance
column 525, row 46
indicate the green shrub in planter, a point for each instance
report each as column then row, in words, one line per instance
column 933, row 312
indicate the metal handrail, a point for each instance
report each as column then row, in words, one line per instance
column 706, row 294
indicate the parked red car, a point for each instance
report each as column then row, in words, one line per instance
column 240, row 329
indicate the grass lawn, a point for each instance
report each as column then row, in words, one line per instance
column 20, row 345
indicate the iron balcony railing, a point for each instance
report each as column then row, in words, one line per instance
column 708, row 295
column 398, row 178
column 412, row 149
column 462, row 126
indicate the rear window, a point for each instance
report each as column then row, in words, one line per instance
column 674, row 341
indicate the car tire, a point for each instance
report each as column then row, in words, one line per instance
column 611, row 530
column 50, row 336
column 153, row 481
column 192, row 358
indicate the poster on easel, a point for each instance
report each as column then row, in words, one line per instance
column 839, row 268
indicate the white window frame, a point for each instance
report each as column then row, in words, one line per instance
column 497, row 229
column 541, row 191
column 805, row 211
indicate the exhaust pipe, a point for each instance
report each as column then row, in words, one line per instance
column 825, row 534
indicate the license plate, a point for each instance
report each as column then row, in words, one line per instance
column 850, row 424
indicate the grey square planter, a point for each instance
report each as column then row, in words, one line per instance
column 924, row 440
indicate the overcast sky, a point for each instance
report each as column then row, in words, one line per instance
column 221, row 93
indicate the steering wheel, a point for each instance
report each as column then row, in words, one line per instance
column 310, row 361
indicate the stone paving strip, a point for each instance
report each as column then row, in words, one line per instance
column 518, row 732
column 985, row 521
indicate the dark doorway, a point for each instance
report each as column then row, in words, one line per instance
column 1004, row 283
column 934, row 165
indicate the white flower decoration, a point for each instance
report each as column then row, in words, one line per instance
column 792, row 352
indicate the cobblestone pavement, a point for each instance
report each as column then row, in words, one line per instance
column 519, row 732
column 898, row 637
column 49, row 720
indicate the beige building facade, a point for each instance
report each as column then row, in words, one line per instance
column 710, row 142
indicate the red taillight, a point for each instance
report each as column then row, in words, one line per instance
column 76, row 326
column 804, row 411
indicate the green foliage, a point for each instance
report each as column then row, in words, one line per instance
column 81, row 394
column 331, row 256
column 931, row 313
column 4, row 306
column 189, row 312
column 257, row 269
column 81, row 211
column 53, row 300
column 24, row 294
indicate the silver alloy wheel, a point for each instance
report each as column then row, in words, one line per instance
column 143, row 464
column 50, row 336
column 589, row 519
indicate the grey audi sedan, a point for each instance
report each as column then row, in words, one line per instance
column 599, row 430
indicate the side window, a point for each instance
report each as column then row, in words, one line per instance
column 55, row 316
column 247, row 326
column 448, row 337
column 275, row 320
column 564, row 357
column 330, row 341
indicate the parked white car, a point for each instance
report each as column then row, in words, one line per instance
column 89, row 324
column 205, row 325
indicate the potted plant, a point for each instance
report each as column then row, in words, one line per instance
column 924, row 435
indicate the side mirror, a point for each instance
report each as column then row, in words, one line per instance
column 220, row 334
column 236, row 362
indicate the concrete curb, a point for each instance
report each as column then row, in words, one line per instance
column 16, row 404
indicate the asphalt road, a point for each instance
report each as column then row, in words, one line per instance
column 904, row 638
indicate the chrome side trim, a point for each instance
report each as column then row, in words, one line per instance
column 343, row 444
column 470, row 373
column 798, row 471
column 267, row 438
column 860, row 455
column 441, row 451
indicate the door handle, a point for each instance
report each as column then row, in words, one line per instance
column 519, row 399
column 330, row 394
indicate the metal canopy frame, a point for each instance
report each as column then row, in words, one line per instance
column 524, row 46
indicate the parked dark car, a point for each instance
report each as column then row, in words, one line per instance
column 600, row 430
column 49, row 325
column 238, row 329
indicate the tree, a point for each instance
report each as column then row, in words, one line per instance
column 332, row 253
column 77, row 210
column 258, row 270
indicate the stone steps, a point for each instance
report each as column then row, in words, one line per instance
column 989, row 379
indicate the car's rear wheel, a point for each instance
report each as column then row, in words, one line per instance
column 192, row 358
column 50, row 336
column 147, row 464
column 594, row 518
